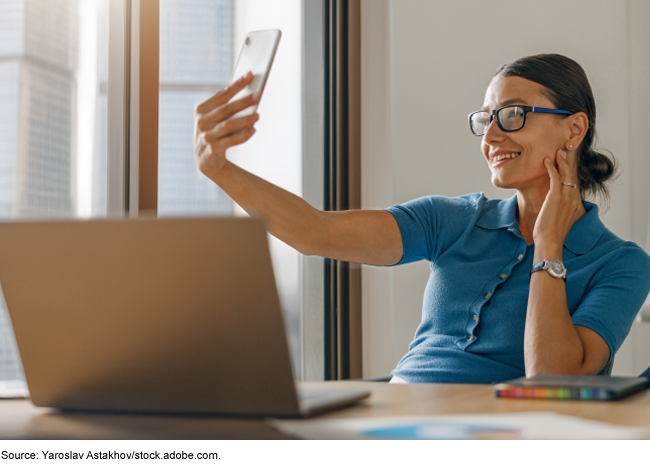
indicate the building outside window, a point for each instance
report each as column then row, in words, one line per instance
column 53, row 63
column 53, row 117
column 196, row 60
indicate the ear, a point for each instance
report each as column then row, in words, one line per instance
column 577, row 126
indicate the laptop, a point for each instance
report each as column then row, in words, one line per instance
column 153, row 315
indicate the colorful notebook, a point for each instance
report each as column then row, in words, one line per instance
column 571, row 387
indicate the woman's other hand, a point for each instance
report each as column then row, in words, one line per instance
column 214, row 132
column 552, row 342
column 562, row 206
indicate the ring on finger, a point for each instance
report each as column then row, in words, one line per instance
column 573, row 186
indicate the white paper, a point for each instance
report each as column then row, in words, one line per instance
column 525, row 425
column 13, row 389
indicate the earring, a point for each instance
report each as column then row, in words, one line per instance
column 570, row 146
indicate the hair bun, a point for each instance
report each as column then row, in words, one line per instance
column 602, row 167
column 595, row 169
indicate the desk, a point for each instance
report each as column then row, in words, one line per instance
column 19, row 419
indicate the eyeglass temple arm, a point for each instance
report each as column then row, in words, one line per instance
column 551, row 110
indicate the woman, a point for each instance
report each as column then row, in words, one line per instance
column 532, row 284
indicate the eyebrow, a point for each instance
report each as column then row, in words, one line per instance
column 506, row 103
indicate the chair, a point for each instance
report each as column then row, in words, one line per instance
column 383, row 379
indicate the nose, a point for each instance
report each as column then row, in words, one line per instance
column 493, row 131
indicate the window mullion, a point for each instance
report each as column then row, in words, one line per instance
column 133, row 87
column 144, row 195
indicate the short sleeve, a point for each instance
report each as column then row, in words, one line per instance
column 619, row 290
column 422, row 222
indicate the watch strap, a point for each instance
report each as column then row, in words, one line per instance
column 543, row 265
column 537, row 267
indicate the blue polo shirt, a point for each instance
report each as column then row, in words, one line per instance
column 474, row 308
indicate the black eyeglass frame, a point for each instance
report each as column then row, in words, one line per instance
column 527, row 109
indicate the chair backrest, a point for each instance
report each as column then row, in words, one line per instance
column 646, row 374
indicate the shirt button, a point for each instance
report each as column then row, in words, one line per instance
column 488, row 295
column 475, row 318
column 503, row 276
column 521, row 255
column 470, row 339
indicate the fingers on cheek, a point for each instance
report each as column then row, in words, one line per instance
column 550, row 167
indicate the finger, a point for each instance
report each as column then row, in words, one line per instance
column 567, row 174
column 225, row 94
column 552, row 173
column 236, row 139
column 209, row 121
column 226, row 111
column 572, row 159
column 563, row 167
column 230, row 126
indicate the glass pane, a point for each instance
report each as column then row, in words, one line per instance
column 196, row 53
column 512, row 117
column 480, row 122
column 53, row 71
column 199, row 43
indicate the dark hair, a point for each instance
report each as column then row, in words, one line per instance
column 567, row 87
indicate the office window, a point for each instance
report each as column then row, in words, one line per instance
column 199, row 43
column 53, row 72
column 196, row 50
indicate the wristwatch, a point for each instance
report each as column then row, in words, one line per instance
column 554, row 267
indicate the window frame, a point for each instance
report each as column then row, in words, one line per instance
column 132, row 133
column 312, row 269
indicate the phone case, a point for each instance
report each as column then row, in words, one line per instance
column 256, row 56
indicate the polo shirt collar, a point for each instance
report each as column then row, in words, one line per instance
column 501, row 216
column 586, row 231
column 582, row 237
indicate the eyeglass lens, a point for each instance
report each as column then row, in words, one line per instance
column 510, row 119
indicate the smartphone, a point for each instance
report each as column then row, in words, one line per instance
column 256, row 56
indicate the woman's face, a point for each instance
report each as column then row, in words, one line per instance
column 541, row 137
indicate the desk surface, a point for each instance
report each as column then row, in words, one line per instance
column 19, row 419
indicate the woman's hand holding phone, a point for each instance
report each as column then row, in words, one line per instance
column 214, row 129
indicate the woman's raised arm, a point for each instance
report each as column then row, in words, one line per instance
column 370, row 236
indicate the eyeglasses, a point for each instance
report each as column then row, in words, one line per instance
column 510, row 118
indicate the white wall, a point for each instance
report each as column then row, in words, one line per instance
column 425, row 67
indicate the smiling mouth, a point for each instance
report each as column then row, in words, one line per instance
column 504, row 156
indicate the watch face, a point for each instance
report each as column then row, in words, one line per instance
column 555, row 268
